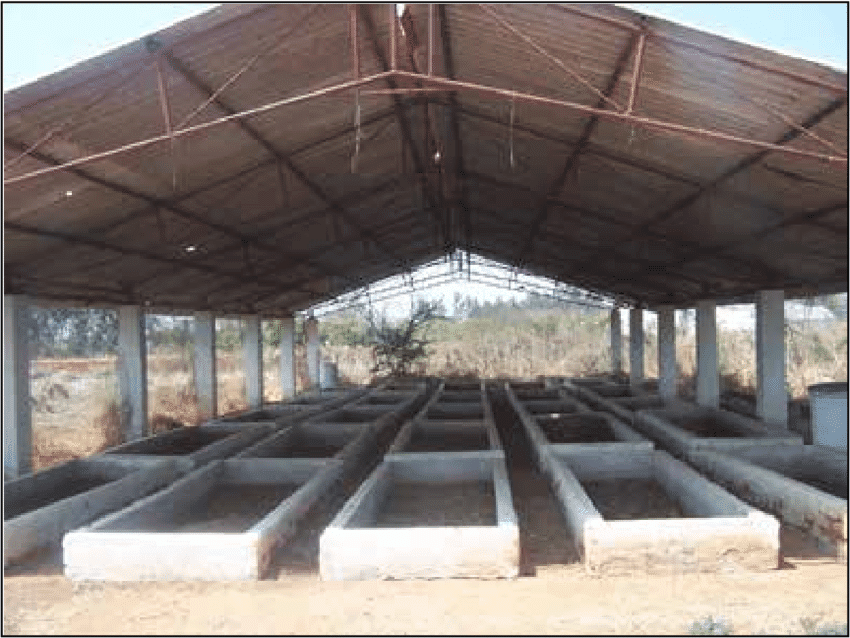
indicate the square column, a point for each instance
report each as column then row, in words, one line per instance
column 616, row 342
column 252, row 351
column 771, row 397
column 287, row 357
column 133, row 371
column 636, row 366
column 205, row 377
column 708, row 378
column 17, row 419
column 667, row 352
column 311, row 330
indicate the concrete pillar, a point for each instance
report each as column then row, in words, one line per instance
column 708, row 378
column 616, row 342
column 252, row 351
column 771, row 397
column 636, row 367
column 17, row 419
column 205, row 377
column 133, row 371
column 287, row 357
column 667, row 352
column 311, row 330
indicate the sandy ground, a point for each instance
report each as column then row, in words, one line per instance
column 553, row 595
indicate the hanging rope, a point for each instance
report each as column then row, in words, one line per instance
column 358, row 134
column 511, row 144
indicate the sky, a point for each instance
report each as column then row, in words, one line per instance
column 37, row 41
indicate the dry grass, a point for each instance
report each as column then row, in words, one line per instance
column 72, row 419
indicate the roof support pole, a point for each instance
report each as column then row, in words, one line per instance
column 355, row 43
column 252, row 351
column 17, row 419
column 667, row 352
column 393, row 37
column 708, row 379
column 616, row 342
column 205, row 377
column 636, row 362
column 636, row 71
column 311, row 332
column 133, row 371
column 771, row 396
column 287, row 357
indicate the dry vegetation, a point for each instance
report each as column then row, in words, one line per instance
column 76, row 410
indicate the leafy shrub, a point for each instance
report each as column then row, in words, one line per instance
column 709, row 626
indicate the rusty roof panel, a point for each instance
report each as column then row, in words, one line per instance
column 285, row 210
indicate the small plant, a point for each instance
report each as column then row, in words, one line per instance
column 709, row 626
column 812, row 628
column 397, row 348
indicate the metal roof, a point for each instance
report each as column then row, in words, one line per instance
column 250, row 159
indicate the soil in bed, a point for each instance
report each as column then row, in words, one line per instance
column 445, row 441
column 458, row 411
column 835, row 486
column 186, row 441
column 49, row 494
column 626, row 499
column 461, row 503
column 550, row 407
column 581, row 429
column 302, row 448
column 707, row 427
column 228, row 507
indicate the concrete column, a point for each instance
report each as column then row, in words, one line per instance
column 205, row 377
column 311, row 330
column 287, row 357
column 252, row 351
column 616, row 342
column 771, row 397
column 17, row 419
column 636, row 366
column 708, row 378
column 133, row 371
column 667, row 352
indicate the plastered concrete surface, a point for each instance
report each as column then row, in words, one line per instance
column 38, row 528
column 111, row 549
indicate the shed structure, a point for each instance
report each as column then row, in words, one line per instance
column 260, row 159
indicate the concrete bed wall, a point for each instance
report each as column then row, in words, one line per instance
column 485, row 426
column 133, row 478
column 656, row 425
column 818, row 513
column 117, row 547
column 356, row 441
column 624, row 408
column 240, row 435
column 351, row 550
column 725, row 531
column 540, row 445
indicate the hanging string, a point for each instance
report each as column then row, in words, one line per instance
column 358, row 134
column 513, row 107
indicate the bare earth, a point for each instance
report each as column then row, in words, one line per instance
column 558, row 599
column 553, row 595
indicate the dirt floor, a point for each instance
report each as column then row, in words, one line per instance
column 553, row 595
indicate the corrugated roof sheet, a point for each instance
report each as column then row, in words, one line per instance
column 277, row 211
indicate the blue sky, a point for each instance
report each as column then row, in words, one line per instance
column 37, row 39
